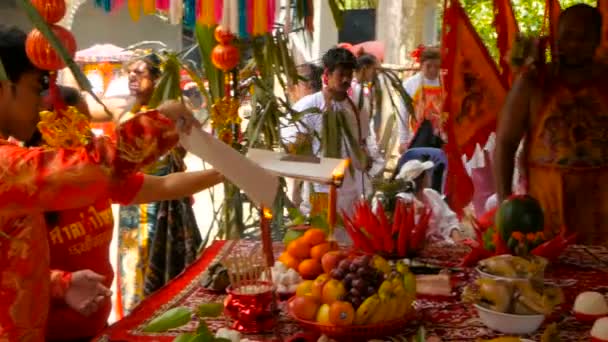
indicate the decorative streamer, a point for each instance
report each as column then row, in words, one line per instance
column 189, row 13
column 149, row 7
column 207, row 16
column 234, row 16
column 242, row 11
column 259, row 16
column 218, row 8
column 199, row 10
column 162, row 5
column 249, row 15
column 134, row 9
column 272, row 7
column 117, row 4
column 106, row 5
column 176, row 11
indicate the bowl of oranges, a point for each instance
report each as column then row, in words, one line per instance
column 305, row 253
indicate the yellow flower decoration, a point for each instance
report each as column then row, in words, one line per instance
column 67, row 128
column 224, row 112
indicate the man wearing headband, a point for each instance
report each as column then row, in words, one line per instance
column 339, row 65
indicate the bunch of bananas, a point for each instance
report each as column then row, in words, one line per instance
column 393, row 301
column 513, row 266
column 519, row 297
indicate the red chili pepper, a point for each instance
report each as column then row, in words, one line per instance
column 553, row 248
column 370, row 228
column 475, row 256
column 418, row 233
column 359, row 240
column 487, row 220
column 396, row 219
column 385, row 229
column 404, row 229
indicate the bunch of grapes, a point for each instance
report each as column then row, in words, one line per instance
column 359, row 277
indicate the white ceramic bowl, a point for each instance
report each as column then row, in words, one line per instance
column 509, row 323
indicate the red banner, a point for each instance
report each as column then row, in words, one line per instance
column 602, row 5
column 507, row 30
column 552, row 12
column 475, row 95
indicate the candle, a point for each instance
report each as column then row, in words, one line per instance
column 265, row 220
column 337, row 178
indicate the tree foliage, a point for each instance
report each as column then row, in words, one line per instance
column 529, row 14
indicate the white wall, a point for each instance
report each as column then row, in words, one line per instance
column 92, row 26
column 326, row 33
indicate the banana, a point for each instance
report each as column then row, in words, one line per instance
column 367, row 309
column 497, row 293
column 409, row 282
column 171, row 319
column 381, row 313
column 386, row 287
column 381, row 264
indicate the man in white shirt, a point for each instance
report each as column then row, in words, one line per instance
column 339, row 65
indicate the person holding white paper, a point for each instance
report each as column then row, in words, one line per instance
column 339, row 65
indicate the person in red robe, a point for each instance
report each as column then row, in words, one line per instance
column 38, row 180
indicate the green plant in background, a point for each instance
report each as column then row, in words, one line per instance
column 529, row 14
column 3, row 76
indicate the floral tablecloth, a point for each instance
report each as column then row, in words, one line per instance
column 580, row 269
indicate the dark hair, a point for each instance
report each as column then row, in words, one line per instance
column 313, row 75
column 366, row 60
column 430, row 53
column 153, row 63
column 591, row 14
column 12, row 53
column 70, row 95
column 339, row 57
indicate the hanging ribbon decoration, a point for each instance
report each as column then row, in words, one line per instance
column 134, row 9
column 242, row 10
column 176, row 11
column 106, row 5
column 149, row 7
column 189, row 13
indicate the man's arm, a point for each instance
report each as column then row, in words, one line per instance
column 176, row 185
column 512, row 125
column 116, row 106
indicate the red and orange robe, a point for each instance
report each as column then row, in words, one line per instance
column 37, row 180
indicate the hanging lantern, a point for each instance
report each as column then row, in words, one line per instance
column 223, row 35
column 51, row 10
column 42, row 54
column 225, row 57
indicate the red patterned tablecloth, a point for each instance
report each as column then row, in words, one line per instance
column 580, row 269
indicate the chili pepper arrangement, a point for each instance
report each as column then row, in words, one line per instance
column 371, row 232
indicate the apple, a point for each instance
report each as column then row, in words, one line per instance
column 599, row 331
column 323, row 314
column 317, row 285
column 330, row 260
column 304, row 307
column 333, row 291
column 590, row 306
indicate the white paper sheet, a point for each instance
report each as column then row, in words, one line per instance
column 321, row 172
column 260, row 185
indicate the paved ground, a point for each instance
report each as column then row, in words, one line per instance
column 202, row 210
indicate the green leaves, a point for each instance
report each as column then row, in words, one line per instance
column 168, row 87
column 171, row 319
column 206, row 42
column 336, row 11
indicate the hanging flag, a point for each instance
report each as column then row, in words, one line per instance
column 134, row 9
column 190, row 13
column 552, row 12
column 176, row 11
column 149, row 7
column 475, row 94
column 602, row 6
column 507, row 30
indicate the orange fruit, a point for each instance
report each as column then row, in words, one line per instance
column 298, row 249
column 304, row 307
column 289, row 261
column 341, row 313
column 314, row 236
column 318, row 251
column 310, row 268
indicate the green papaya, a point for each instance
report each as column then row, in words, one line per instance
column 521, row 213
column 171, row 319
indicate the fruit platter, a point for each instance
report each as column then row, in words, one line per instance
column 361, row 296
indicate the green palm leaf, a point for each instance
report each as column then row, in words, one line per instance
column 206, row 42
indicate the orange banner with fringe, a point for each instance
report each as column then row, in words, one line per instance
column 475, row 94
column 507, row 30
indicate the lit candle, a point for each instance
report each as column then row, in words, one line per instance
column 266, row 237
column 337, row 178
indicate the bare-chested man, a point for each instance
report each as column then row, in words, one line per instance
column 562, row 112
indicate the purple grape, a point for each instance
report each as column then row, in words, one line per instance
column 348, row 280
column 355, row 293
column 362, row 272
column 353, row 267
column 337, row 274
column 360, row 285
column 370, row 290
column 344, row 265
column 366, row 259
column 357, row 302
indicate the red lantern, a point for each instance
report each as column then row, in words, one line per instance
column 225, row 57
column 223, row 35
column 51, row 10
column 42, row 54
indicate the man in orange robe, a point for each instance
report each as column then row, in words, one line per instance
column 36, row 180
column 562, row 111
